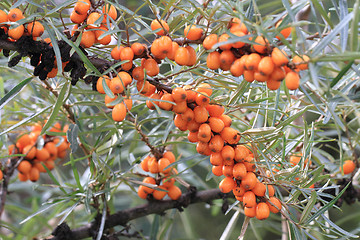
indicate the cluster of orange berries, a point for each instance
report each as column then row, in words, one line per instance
column 16, row 31
column 35, row 156
column 96, row 22
column 211, row 129
column 262, row 62
column 163, row 182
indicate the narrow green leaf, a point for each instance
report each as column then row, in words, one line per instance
column 55, row 48
column 309, row 207
column 75, row 171
column 13, row 92
column 41, row 211
column 354, row 39
column 322, row 12
column 57, row 106
column 341, row 74
column 155, row 227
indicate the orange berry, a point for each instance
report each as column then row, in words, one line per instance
column 93, row 20
column 174, row 192
column 216, row 144
column 159, row 194
column 188, row 115
column 204, row 88
column 190, row 93
column 171, row 54
column 273, row 84
column 108, row 101
column 77, row 18
column 237, row 25
column 169, row 155
column 3, row 16
column 87, row 39
column 223, row 38
column 284, row 32
column 145, row 163
column 166, row 105
column 1, row 175
column 164, row 163
column 348, row 167
column 217, row 170
column 260, row 77
column 156, row 25
column 262, row 211
column 128, row 103
column 203, row 148
column 138, row 73
column 278, row 74
column 193, row 126
column 252, row 62
column 23, row 177
column 239, row 191
column 216, row 158
column 36, row 29
column 141, row 193
column 250, row 212
column 153, row 165
column 227, row 57
column 204, row 133
column 237, row 68
column 192, row 32
column 101, row 37
column 301, row 62
column 202, row 99
column 116, row 85
column 168, row 181
column 226, row 119
column 259, row 189
column 241, row 153
column 266, row 66
column 274, row 204
column 192, row 56
column 210, row 41
column 239, row 171
column 82, row 7
column 115, row 52
column 34, row 174
column 109, row 10
column 249, row 199
column 151, row 67
column 292, row 80
column 150, row 103
column 213, row 60
column 126, row 54
column 279, row 57
column 180, row 123
column 216, row 124
column 249, row 181
column 228, row 153
column 180, row 107
column 24, row 140
column 138, row 48
column 119, row 112
column 42, row 155
column 214, row 109
column 40, row 167
column 192, row 137
column 182, row 56
column 238, row 44
column 249, row 76
column 16, row 32
column 270, row 190
column 61, row 154
column 12, row 149
column 24, row 167
column 260, row 44
column 230, row 135
column 227, row 184
column 30, row 151
column 228, row 170
column 99, row 84
column 200, row 114
column 179, row 94
column 14, row 15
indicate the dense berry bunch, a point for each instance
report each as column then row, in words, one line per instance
column 39, row 153
column 162, row 183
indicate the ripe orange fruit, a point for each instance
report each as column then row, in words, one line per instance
column 23, row 141
column 230, row 135
column 82, row 7
column 284, row 32
column 119, row 112
column 116, row 85
column 278, row 74
column 301, row 62
column 204, row 133
column 126, row 54
column 24, row 167
column 203, row 148
column 179, row 94
column 252, row 62
column 270, row 190
column 274, row 204
column 1, row 175
column 217, row 170
column 213, row 60
column 180, row 107
column 42, row 155
column 238, row 44
column 174, row 192
column 227, row 57
column 292, row 80
column 259, row 189
column 99, row 84
column 153, row 165
column 164, row 163
column 210, row 41
column 108, row 101
column 51, row 148
column 266, row 66
column 202, row 99
column 115, row 52
column 214, row 109
column 141, row 193
column 34, row 174
column 228, row 153
column 151, row 67
column 168, row 181
column 250, row 212
column 227, row 184
column 237, row 68
column 204, row 88
column 216, row 144
column 192, row 56
column 166, row 105
column 101, row 37
column 138, row 73
column 182, row 56
column 200, row 114
column 169, row 155
column 14, row 15
column 237, row 25
column 77, row 18
column 171, row 54
column 348, row 167
column 159, row 27
column 260, row 44
column 193, row 126
column 228, row 170
column 226, row 119
column 279, row 57
column 223, row 38
column 192, row 137
column 3, row 16
column 159, row 194
column 87, row 39
column 93, row 20
column 180, row 123
column 239, row 171
column 239, row 191
column 149, row 180
column 36, row 29
column 216, row 124
column 150, row 103
column 273, row 84
column 249, row 76
column 109, row 10
column 17, row 32
column 138, row 48
column 192, row 32
column 249, row 199
column 145, row 163
column 262, row 211
column 30, row 151
column 249, row 181
column 216, row 158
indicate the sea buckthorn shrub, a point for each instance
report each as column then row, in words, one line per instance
column 248, row 108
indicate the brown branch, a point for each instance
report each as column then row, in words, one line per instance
column 152, row 207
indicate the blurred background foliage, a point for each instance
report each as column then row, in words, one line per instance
column 319, row 120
